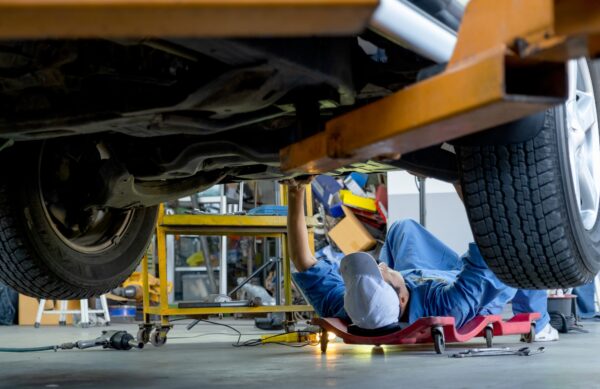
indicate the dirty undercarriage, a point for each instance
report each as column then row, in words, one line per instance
column 222, row 98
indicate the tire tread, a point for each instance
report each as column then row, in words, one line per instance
column 515, row 203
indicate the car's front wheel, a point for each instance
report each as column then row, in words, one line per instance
column 51, row 245
column 534, row 206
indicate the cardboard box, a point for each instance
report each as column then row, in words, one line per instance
column 350, row 235
column 28, row 307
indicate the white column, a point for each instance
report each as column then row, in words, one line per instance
column 40, row 312
column 223, row 259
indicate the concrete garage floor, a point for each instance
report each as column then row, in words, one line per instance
column 208, row 360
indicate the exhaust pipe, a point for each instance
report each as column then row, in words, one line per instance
column 412, row 28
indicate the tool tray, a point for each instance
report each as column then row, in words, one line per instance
column 438, row 330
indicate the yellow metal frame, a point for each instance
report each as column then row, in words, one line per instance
column 264, row 226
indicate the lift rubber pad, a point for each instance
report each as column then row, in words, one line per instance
column 420, row 331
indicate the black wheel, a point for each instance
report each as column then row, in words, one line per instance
column 559, row 321
column 489, row 337
column 438, row 340
column 533, row 206
column 51, row 246
column 324, row 340
column 529, row 337
column 565, row 324
column 143, row 335
column 531, row 334
column 158, row 338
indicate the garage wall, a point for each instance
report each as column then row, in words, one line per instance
column 446, row 216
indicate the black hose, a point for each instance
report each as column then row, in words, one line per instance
column 27, row 349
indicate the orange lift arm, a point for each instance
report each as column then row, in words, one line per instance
column 508, row 63
column 181, row 18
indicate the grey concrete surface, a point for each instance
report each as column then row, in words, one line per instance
column 204, row 358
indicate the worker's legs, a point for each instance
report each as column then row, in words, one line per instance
column 523, row 301
column 526, row 301
column 410, row 246
column 586, row 307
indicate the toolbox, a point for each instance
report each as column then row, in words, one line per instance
column 351, row 200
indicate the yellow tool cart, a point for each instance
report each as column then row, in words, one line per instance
column 224, row 225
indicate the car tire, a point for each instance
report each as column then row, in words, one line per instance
column 37, row 261
column 532, row 209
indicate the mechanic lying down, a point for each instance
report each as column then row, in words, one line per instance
column 417, row 276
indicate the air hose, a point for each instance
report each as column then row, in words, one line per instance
column 116, row 340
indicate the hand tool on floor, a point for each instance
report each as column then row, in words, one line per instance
column 492, row 352
column 117, row 340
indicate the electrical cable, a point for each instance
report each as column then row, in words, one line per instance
column 257, row 341
column 207, row 334
column 239, row 334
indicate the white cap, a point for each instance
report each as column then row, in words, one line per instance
column 369, row 301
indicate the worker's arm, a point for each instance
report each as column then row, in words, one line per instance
column 320, row 281
column 297, row 231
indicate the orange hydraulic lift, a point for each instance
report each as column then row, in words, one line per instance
column 181, row 18
column 508, row 63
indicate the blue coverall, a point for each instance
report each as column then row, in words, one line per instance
column 586, row 306
column 440, row 282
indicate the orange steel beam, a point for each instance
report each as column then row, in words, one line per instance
column 461, row 101
column 181, row 18
column 508, row 63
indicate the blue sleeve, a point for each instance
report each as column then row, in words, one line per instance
column 475, row 287
column 324, row 288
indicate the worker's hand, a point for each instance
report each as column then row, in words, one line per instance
column 385, row 272
column 389, row 275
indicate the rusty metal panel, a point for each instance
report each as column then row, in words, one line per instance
column 182, row 18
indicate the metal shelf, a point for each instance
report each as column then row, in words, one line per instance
column 209, row 224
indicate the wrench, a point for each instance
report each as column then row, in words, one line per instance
column 491, row 352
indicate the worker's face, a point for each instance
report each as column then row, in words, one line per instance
column 396, row 281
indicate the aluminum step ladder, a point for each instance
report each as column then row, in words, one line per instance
column 63, row 311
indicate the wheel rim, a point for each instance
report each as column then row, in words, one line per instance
column 104, row 228
column 584, row 141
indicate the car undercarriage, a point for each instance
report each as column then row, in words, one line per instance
column 98, row 131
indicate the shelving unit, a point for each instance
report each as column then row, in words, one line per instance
column 224, row 225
